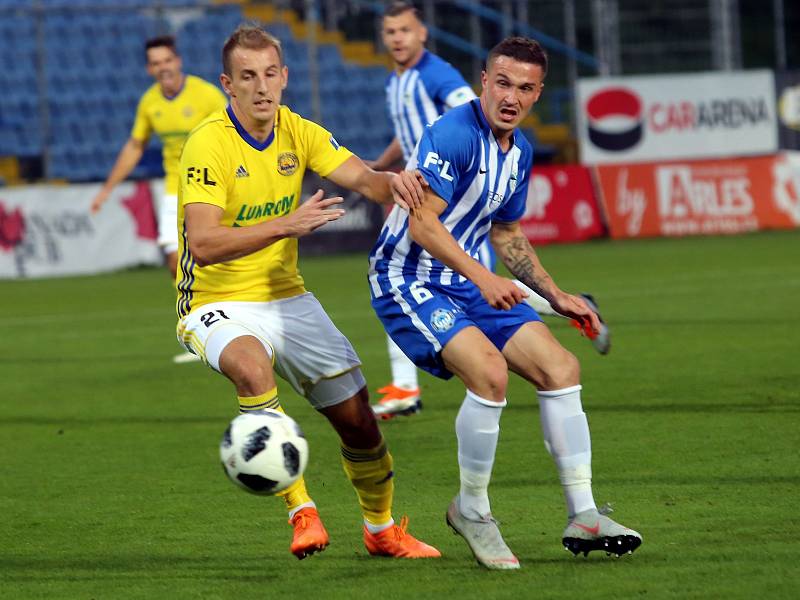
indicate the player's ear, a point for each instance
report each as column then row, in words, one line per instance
column 424, row 34
column 225, row 81
column 284, row 77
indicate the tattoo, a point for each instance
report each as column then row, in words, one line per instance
column 517, row 253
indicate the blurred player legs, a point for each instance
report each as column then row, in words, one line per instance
column 402, row 396
column 167, row 211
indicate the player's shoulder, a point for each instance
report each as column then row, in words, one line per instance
column 295, row 124
column 458, row 120
column 288, row 119
column 210, row 130
column 433, row 65
column 151, row 94
column 436, row 71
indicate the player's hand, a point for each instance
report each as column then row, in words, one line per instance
column 313, row 214
column 408, row 190
column 98, row 201
column 575, row 307
column 500, row 292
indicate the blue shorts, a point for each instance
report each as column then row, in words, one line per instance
column 422, row 318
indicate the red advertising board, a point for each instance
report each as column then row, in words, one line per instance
column 561, row 206
column 701, row 197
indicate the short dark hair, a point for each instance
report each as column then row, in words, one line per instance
column 162, row 41
column 252, row 37
column 400, row 7
column 522, row 49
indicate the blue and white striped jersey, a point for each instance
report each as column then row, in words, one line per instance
column 459, row 157
column 420, row 94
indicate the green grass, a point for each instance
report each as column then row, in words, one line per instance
column 111, row 486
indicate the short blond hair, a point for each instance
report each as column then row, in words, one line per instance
column 252, row 37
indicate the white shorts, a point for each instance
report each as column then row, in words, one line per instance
column 307, row 350
column 167, row 217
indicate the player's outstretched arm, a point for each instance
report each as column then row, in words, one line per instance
column 521, row 259
column 212, row 242
column 429, row 232
column 355, row 175
column 127, row 159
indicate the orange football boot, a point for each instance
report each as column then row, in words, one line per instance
column 395, row 541
column 397, row 401
column 309, row 533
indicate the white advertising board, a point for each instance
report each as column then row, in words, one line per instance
column 48, row 231
column 666, row 117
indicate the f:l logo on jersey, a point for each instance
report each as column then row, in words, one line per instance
column 443, row 165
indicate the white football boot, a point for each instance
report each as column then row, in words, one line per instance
column 483, row 538
column 593, row 530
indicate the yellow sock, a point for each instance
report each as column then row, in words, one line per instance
column 370, row 472
column 268, row 399
column 296, row 494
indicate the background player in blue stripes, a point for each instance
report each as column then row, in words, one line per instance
column 452, row 315
column 421, row 88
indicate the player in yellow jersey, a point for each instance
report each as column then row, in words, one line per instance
column 242, row 304
column 170, row 108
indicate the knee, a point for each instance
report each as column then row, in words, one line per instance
column 494, row 377
column 251, row 374
column 563, row 373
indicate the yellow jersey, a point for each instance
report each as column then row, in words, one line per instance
column 251, row 182
column 172, row 118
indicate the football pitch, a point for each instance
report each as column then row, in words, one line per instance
column 112, row 488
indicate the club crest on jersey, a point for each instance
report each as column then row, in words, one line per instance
column 287, row 163
column 442, row 320
column 495, row 200
column 443, row 166
column 188, row 111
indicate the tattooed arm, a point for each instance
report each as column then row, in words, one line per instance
column 520, row 258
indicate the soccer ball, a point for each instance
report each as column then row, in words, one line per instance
column 264, row 453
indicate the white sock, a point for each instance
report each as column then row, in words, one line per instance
column 477, row 430
column 566, row 437
column 404, row 372
column 297, row 509
column 539, row 304
column 373, row 529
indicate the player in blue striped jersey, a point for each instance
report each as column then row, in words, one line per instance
column 420, row 89
column 452, row 315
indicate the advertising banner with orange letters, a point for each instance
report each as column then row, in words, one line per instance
column 701, row 197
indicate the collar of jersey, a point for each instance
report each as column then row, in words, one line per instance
column 251, row 141
column 484, row 124
column 178, row 93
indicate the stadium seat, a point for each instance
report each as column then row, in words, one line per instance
column 94, row 72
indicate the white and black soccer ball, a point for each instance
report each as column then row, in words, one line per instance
column 264, row 453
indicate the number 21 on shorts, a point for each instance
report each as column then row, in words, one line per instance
column 212, row 317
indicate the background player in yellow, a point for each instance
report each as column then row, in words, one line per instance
column 242, row 304
column 170, row 108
